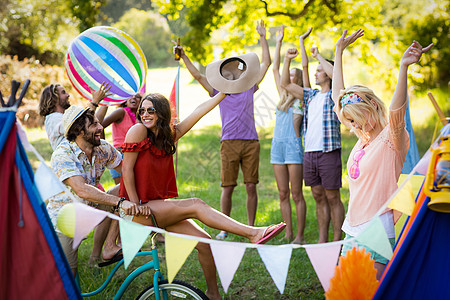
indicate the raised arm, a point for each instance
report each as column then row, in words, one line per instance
column 184, row 126
column 292, row 88
column 338, row 76
column 99, row 95
column 266, row 61
column 411, row 56
column 116, row 116
column 276, row 57
column 304, row 57
column 194, row 71
column 327, row 66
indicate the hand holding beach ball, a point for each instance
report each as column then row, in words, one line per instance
column 65, row 220
column 106, row 54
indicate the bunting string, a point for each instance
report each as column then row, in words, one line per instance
column 278, row 271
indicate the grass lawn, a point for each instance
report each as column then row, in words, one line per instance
column 198, row 173
column 199, row 176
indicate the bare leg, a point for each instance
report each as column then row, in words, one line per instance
column 171, row 211
column 100, row 233
column 380, row 268
column 204, row 255
column 111, row 233
column 322, row 212
column 282, row 177
column 337, row 212
column 226, row 203
column 296, row 179
column 111, row 247
column 252, row 202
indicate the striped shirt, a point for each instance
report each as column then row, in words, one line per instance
column 331, row 127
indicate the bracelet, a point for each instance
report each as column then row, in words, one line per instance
column 94, row 104
column 118, row 203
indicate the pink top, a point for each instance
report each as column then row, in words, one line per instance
column 379, row 167
column 119, row 130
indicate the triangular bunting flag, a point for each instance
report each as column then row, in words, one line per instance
column 276, row 259
column 227, row 257
column 47, row 183
column 86, row 218
column 404, row 200
column 399, row 226
column 375, row 237
column 177, row 250
column 324, row 258
column 416, row 183
column 23, row 137
column 133, row 236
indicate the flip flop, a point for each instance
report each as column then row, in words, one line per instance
column 117, row 257
column 268, row 236
column 221, row 236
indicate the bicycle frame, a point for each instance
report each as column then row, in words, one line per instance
column 153, row 264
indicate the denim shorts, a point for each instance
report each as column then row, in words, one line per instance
column 286, row 151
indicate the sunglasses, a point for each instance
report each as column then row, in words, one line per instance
column 354, row 169
column 149, row 110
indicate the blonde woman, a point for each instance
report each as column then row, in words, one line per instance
column 376, row 160
column 286, row 153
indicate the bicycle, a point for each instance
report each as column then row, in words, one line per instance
column 174, row 290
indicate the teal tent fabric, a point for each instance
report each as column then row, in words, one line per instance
column 412, row 157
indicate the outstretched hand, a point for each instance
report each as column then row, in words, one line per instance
column 261, row 28
column 343, row 42
column 306, row 34
column 102, row 92
column 280, row 34
column 179, row 47
column 291, row 53
column 413, row 53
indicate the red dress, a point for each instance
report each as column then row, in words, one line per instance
column 153, row 172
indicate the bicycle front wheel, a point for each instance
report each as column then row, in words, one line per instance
column 176, row 290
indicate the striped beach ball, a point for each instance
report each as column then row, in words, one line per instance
column 106, row 54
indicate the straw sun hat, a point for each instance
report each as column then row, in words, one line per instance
column 70, row 116
column 234, row 74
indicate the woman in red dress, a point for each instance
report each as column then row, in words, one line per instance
column 148, row 179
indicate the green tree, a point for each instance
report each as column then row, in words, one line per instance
column 238, row 19
column 389, row 27
column 433, row 27
column 113, row 10
column 35, row 28
column 86, row 11
column 151, row 32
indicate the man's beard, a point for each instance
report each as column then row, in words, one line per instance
column 65, row 105
column 90, row 138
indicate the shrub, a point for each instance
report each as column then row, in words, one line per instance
column 40, row 76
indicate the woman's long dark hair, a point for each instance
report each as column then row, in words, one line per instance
column 165, row 138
